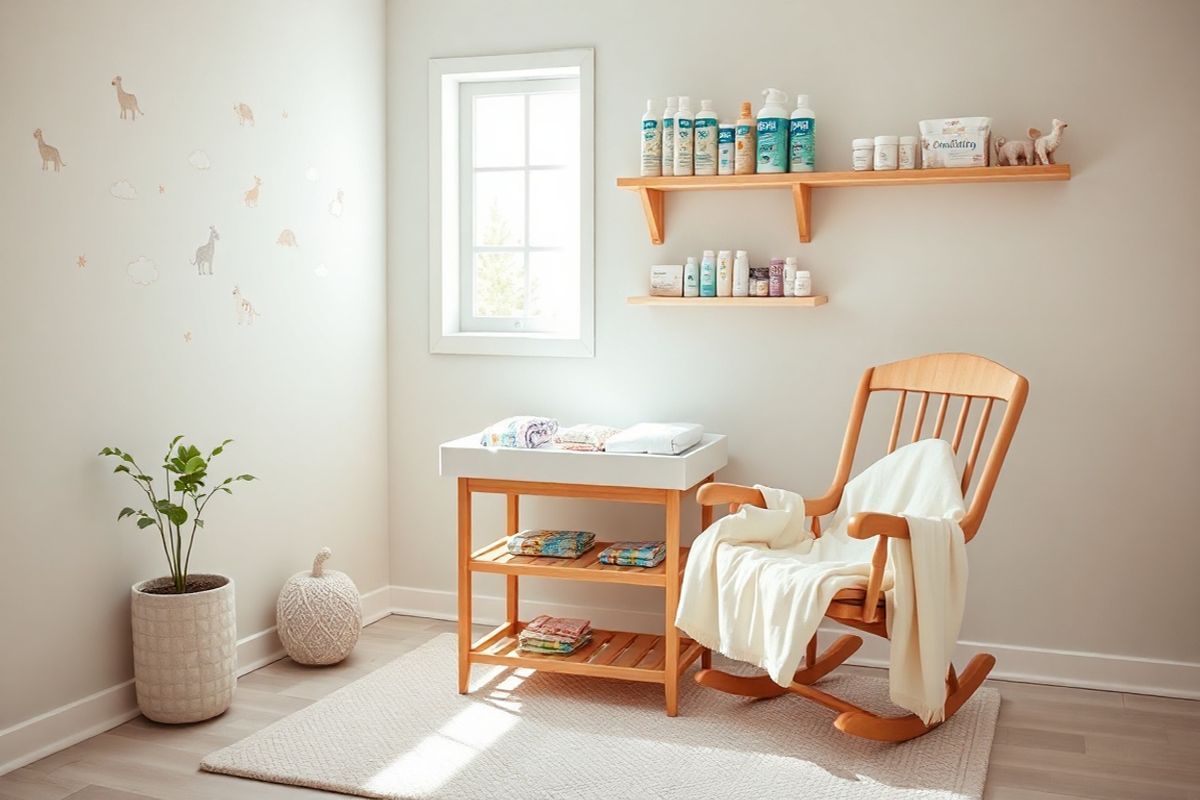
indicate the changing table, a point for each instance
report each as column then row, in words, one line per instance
column 622, row 478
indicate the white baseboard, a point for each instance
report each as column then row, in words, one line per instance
column 59, row 728
column 1013, row 663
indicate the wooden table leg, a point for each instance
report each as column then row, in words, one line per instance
column 464, row 584
column 706, row 518
column 671, row 590
column 511, row 586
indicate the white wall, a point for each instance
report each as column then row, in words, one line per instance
column 1087, row 287
column 90, row 358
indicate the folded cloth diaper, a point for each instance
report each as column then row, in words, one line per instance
column 525, row 432
column 659, row 438
column 555, row 635
column 551, row 544
column 634, row 554
column 585, row 437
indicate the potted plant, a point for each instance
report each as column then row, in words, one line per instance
column 184, row 626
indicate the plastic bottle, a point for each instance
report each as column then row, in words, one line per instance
column 705, row 136
column 708, row 275
column 691, row 278
column 725, row 148
column 789, row 276
column 803, row 287
column 745, row 145
column 803, row 127
column 741, row 274
column 775, row 278
column 668, row 138
column 684, row 143
column 651, row 143
column 772, row 133
column 724, row 273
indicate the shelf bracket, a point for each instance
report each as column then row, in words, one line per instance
column 652, row 205
column 802, row 197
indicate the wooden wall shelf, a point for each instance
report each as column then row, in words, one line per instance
column 711, row 302
column 801, row 184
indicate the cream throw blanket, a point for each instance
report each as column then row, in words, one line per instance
column 757, row 583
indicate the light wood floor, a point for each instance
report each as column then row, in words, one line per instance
column 1051, row 742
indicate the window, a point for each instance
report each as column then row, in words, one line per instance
column 511, row 234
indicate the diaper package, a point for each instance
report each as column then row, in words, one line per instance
column 958, row 142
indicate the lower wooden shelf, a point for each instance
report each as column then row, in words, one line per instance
column 610, row 654
column 711, row 302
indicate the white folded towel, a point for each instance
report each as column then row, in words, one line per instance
column 658, row 438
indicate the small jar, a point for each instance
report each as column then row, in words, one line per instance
column 907, row 152
column 885, row 151
column 760, row 281
column 803, row 286
column 775, row 278
column 862, row 154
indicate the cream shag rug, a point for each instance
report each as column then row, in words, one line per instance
column 403, row 732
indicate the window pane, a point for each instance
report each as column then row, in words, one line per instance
column 553, row 208
column 500, row 209
column 499, row 131
column 499, row 285
column 552, row 279
column 554, row 128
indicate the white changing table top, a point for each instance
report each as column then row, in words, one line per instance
column 467, row 458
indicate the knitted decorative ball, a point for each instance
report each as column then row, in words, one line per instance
column 318, row 614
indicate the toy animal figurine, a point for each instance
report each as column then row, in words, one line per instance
column 1014, row 153
column 1044, row 146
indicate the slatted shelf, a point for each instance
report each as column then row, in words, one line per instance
column 495, row 558
column 610, row 654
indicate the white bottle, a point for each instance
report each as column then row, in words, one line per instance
column 803, row 287
column 651, row 143
column 906, row 153
column 708, row 274
column 885, row 152
column 668, row 138
column 773, row 133
column 724, row 273
column 684, row 143
column 789, row 276
column 705, row 135
column 803, row 127
column 691, row 278
column 726, row 148
column 741, row 274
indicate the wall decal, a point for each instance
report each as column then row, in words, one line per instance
column 187, row 337
column 127, row 101
column 81, row 262
column 244, row 114
column 284, row 114
column 245, row 310
column 321, row 271
column 162, row 189
column 123, row 190
column 250, row 198
column 204, row 253
column 287, row 238
column 335, row 205
column 49, row 154
column 143, row 271
column 199, row 159
column 310, row 174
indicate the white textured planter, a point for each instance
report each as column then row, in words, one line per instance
column 184, row 650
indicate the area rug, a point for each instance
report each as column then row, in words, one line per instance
column 404, row 732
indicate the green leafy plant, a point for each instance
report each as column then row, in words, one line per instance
column 185, row 471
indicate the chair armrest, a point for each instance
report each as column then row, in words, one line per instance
column 718, row 494
column 875, row 523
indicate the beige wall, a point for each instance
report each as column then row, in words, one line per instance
column 91, row 358
column 1089, row 287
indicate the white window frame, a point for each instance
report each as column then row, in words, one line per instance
column 446, row 292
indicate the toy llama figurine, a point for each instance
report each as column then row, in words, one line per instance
column 1014, row 153
column 127, row 101
column 49, row 154
column 1044, row 146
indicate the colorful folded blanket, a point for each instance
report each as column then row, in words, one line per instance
column 634, row 554
column 523, row 432
column 551, row 544
column 585, row 437
column 555, row 635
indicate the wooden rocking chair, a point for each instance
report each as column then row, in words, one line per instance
column 949, row 375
